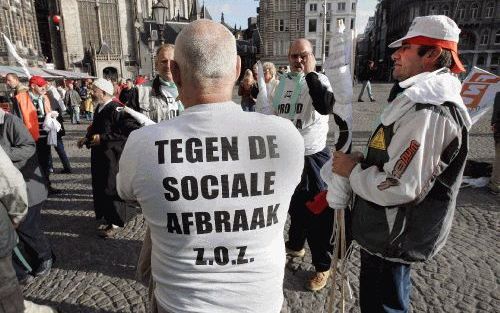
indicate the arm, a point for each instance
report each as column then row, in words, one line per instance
column 22, row 146
column 414, row 160
column 320, row 92
column 128, row 167
column 13, row 194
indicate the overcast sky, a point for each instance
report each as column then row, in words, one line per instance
column 238, row 11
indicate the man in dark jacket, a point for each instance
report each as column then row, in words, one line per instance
column 494, row 185
column 128, row 92
column 366, row 77
column 20, row 147
column 106, row 137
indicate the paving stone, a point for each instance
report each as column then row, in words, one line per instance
column 95, row 275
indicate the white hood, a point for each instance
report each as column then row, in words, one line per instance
column 433, row 88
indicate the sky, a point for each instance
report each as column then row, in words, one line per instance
column 238, row 11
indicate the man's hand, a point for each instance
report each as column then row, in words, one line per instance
column 81, row 142
column 309, row 64
column 96, row 140
column 344, row 163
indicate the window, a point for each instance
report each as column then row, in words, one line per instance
column 312, row 25
column 495, row 59
column 354, row 6
column 280, row 25
column 313, row 7
column 282, row 5
column 497, row 37
column 434, row 10
column 327, row 48
column 446, row 10
column 461, row 13
column 328, row 24
column 474, row 10
column 313, row 44
column 490, row 8
column 485, row 38
column 341, row 19
column 341, row 6
column 352, row 23
column 481, row 60
column 328, row 6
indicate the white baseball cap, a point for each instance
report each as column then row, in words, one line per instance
column 105, row 85
column 434, row 30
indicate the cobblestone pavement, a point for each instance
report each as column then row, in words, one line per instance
column 96, row 275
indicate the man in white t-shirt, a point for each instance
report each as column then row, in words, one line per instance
column 214, row 185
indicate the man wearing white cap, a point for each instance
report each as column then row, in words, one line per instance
column 106, row 137
column 406, row 185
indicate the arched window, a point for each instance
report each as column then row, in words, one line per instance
column 474, row 10
column 446, row 10
column 497, row 37
column 434, row 10
column 467, row 41
column 461, row 12
column 485, row 37
column 490, row 9
column 481, row 60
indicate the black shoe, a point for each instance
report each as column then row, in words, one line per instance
column 360, row 100
column 44, row 268
column 107, row 232
column 372, row 100
column 65, row 171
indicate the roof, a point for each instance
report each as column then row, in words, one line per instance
column 45, row 73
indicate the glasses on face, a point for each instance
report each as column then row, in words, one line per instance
column 302, row 55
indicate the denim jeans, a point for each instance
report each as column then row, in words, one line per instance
column 368, row 87
column 75, row 114
column 384, row 286
column 62, row 155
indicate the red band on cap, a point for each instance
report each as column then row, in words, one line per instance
column 457, row 66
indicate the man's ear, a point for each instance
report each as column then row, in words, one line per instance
column 431, row 57
column 238, row 67
column 176, row 73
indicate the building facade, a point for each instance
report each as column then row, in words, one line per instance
column 279, row 23
column 316, row 21
column 18, row 21
column 479, row 21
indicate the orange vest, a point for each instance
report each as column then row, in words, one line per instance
column 28, row 111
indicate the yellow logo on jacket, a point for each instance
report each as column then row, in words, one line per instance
column 378, row 141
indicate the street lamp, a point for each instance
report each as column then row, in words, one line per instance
column 160, row 11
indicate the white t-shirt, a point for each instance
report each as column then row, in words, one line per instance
column 311, row 125
column 215, row 185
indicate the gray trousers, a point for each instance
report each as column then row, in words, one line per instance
column 11, row 295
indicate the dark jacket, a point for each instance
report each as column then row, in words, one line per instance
column 21, row 149
column 495, row 118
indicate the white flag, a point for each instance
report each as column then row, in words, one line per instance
column 478, row 92
column 13, row 53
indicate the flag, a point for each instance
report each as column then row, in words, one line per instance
column 478, row 92
column 13, row 53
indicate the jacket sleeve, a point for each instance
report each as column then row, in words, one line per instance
column 321, row 93
column 22, row 146
column 133, row 101
column 13, row 193
column 415, row 151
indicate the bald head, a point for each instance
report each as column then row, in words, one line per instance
column 205, row 52
column 298, row 54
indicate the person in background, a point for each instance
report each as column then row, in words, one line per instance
column 13, row 208
column 106, row 137
column 494, row 185
column 72, row 100
column 245, row 91
column 366, row 77
column 88, row 105
column 127, row 92
column 158, row 99
column 57, row 105
column 19, row 145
